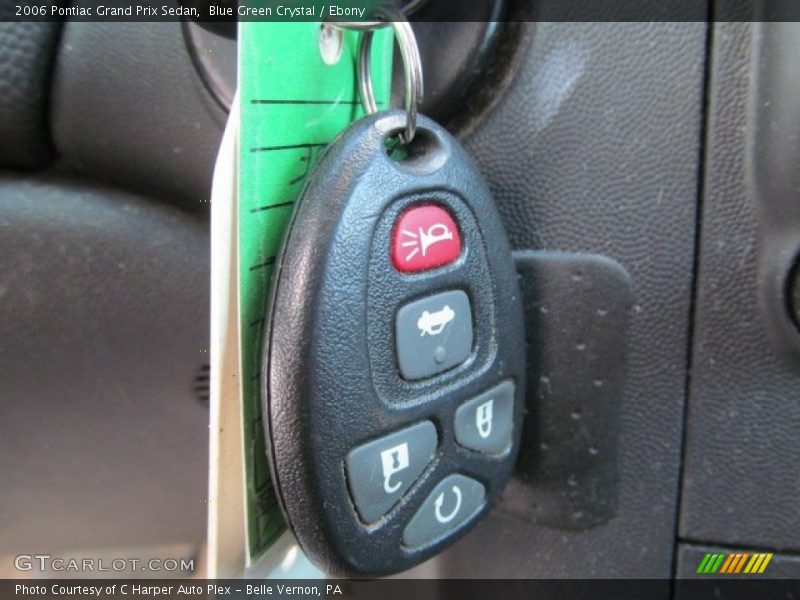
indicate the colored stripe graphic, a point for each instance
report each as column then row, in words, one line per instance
column 758, row 563
column 711, row 563
column 717, row 563
column 702, row 567
column 764, row 564
column 742, row 561
column 737, row 563
column 734, row 563
column 726, row 566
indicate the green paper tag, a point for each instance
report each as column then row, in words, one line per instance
column 292, row 105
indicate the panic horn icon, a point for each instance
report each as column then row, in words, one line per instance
column 438, row 232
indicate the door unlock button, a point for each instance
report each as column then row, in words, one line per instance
column 485, row 423
column 381, row 471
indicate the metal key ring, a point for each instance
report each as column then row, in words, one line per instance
column 412, row 68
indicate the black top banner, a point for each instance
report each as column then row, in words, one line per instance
column 362, row 10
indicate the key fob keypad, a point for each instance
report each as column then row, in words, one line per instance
column 393, row 373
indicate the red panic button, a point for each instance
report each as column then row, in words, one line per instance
column 425, row 236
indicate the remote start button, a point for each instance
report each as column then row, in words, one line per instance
column 425, row 236
column 450, row 505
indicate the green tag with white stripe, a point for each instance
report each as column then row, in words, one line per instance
column 293, row 103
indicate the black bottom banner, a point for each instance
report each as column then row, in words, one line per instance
column 400, row 589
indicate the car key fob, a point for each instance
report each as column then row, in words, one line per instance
column 393, row 372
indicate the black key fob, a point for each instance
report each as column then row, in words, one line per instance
column 395, row 353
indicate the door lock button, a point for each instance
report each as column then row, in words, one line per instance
column 433, row 334
column 485, row 423
column 451, row 504
column 381, row 471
